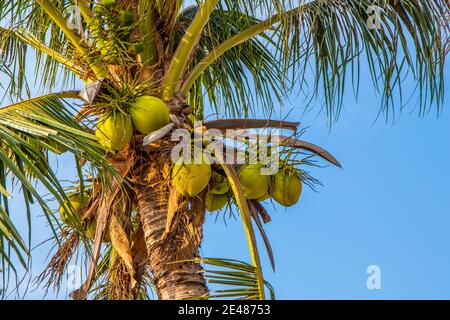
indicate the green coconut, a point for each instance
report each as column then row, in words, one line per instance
column 77, row 204
column 109, row 3
column 215, row 202
column 219, row 184
column 191, row 179
column 264, row 197
column 286, row 187
column 127, row 18
column 90, row 232
column 114, row 131
column 254, row 184
column 149, row 114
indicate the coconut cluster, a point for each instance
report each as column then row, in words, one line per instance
column 191, row 179
column 146, row 114
column 285, row 187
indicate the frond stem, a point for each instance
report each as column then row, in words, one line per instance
column 76, row 41
column 147, row 30
column 89, row 18
column 38, row 45
column 185, row 48
column 247, row 222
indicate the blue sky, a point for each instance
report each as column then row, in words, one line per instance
column 389, row 207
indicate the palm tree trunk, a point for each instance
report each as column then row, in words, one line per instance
column 172, row 281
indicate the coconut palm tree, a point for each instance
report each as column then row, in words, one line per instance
column 134, row 222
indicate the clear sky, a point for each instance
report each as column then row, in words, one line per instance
column 389, row 206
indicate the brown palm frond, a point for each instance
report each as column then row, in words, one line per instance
column 250, row 124
column 119, row 239
column 53, row 273
column 262, row 212
column 257, row 210
column 300, row 144
column 109, row 202
column 120, row 284
column 140, row 258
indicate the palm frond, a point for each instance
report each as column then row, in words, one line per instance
column 27, row 130
column 149, row 10
column 330, row 39
column 248, row 227
column 185, row 48
column 242, row 78
column 167, row 12
column 10, row 238
column 29, row 39
column 46, row 24
column 238, row 279
column 15, row 15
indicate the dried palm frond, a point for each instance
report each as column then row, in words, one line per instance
column 120, row 284
column 121, row 245
column 52, row 276
column 257, row 210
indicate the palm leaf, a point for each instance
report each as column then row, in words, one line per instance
column 185, row 49
column 243, row 77
column 29, row 39
column 331, row 37
column 248, row 227
column 46, row 26
column 238, row 279
column 26, row 129
column 13, row 62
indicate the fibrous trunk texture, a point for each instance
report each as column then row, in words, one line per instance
column 172, row 281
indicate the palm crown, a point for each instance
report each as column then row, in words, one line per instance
column 238, row 57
